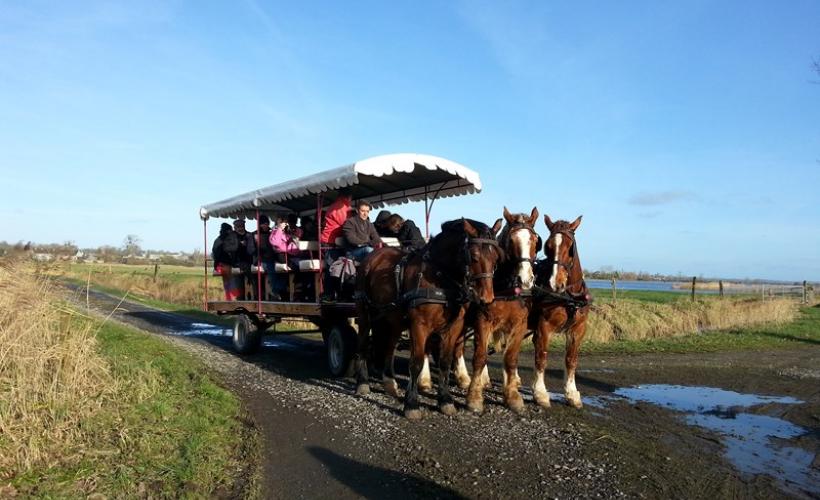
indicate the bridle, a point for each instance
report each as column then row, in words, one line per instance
column 554, row 261
column 470, row 277
column 507, row 237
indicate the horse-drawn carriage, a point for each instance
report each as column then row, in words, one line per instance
column 383, row 181
column 470, row 276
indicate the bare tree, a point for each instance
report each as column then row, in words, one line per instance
column 131, row 245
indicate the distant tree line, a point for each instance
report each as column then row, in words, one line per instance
column 130, row 253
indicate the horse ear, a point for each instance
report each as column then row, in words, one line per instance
column 533, row 216
column 548, row 222
column 508, row 216
column 469, row 229
column 497, row 226
column 576, row 223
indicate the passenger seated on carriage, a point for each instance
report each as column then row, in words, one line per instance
column 381, row 224
column 284, row 240
column 308, row 228
column 266, row 254
column 224, row 253
column 335, row 216
column 360, row 234
column 394, row 226
column 247, row 251
column 406, row 231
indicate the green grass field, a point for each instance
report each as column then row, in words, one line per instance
column 169, row 430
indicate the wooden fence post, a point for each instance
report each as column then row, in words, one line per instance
column 805, row 292
column 613, row 290
column 694, row 280
column 156, row 270
column 720, row 286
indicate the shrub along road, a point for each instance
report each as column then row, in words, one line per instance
column 319, row 440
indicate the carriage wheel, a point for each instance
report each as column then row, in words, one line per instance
column 340, row 341
column 246, row 337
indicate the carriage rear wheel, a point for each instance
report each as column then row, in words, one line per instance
column 246, row 337
column 340, row 341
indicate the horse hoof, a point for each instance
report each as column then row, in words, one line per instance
column 414, row 415
column 476, row 407
column 516, row 404
column 448, row 409
column 392, row 390
column 574, row 400
column 543, row 402
column 362, row 390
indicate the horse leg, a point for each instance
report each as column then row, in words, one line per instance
column 388, row 373
column 462, row 377
column 360, row 364
column 418, row 341
column 512, row 397
column 574, row 336
column 475, row 393
column 425, row 381
column 541, row 341
column 485, row 378
column 445, row 400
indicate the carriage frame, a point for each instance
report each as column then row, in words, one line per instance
column 383, row 181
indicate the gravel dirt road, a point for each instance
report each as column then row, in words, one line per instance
column 639, row 434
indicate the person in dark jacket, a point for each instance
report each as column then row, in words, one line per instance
column 381, row 224
column 224, row 253
column 265, row 252
column 360, row 234
column 406, row 231
column 247, row 251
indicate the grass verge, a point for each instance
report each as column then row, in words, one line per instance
column 90, row 407
column 804, row 330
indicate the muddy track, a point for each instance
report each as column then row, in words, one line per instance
column 321, row 441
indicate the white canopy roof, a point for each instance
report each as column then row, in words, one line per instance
column 382, row 180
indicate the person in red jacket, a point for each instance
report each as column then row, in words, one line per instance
column 335, row 217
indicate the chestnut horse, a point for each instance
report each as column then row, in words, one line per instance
column 428, row 291
column 506, row 318
column 560, row 303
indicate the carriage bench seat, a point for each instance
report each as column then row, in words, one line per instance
column 309, row 265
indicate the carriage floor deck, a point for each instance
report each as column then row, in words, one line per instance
column 288, row 309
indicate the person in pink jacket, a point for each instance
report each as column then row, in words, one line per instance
column 284, row 240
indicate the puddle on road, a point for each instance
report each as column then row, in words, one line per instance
column 196, row 329
column 751, row 440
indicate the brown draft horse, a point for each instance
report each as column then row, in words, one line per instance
column 429, row 291
column 562, row 305
column 506, row 318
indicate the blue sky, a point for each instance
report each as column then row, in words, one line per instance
column 686, row 133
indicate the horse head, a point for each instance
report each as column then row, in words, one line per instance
column 473, row 254
column 561, row 252
column 521, row 243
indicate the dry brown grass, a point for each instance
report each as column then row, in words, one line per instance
column 637, row 320
column 51, row 375
column 186, row 291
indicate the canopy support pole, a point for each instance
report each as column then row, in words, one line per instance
column 320, row 282
column 258, row 266
column 429, row 209
column 205, row 259
column 426, row 217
